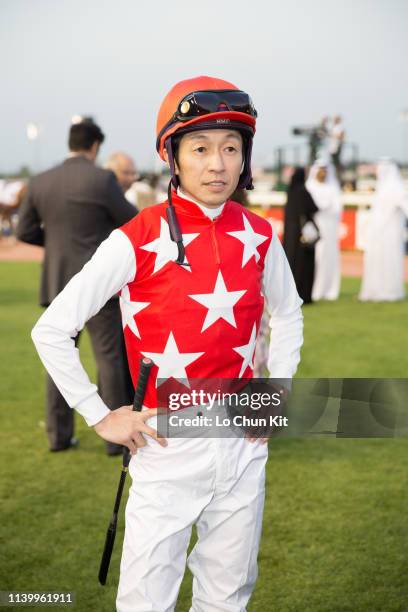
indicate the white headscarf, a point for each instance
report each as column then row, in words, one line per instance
column 326, row 195
column 389, row 179
column 390, row 191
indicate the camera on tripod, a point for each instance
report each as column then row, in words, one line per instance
column 306, row 130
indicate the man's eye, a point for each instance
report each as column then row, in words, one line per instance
column 200, row 149
column 231, row 149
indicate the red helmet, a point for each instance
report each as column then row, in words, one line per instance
column 206, row 103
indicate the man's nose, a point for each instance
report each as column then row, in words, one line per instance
column 216, row 162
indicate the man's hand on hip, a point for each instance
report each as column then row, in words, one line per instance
column 126, row 426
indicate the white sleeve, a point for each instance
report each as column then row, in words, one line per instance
column 112, row 266
column 283, row 304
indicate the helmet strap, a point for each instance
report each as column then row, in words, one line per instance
column 174, row 228
column 171, row 162
column 245, row 180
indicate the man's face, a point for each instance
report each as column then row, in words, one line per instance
column 125, row 172
column 321, row 175
column 209, row 165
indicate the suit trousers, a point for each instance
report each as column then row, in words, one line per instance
column 216, row 484
column 114, row 382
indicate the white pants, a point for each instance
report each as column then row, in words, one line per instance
column 217, row 484
column 326, row 285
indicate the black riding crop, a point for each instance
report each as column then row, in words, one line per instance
column 145, row 366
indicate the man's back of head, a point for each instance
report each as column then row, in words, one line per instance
column 85, row 137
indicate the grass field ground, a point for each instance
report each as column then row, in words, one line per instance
column 335, row 533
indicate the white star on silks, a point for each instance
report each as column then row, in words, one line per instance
column 172, row 363
column 129, row 310
column 250, row 239
column 247, row 352
column 220, row 304
column 165, row 248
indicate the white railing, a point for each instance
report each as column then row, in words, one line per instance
column 278, row 198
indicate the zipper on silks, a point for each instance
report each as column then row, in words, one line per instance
column 214, row 241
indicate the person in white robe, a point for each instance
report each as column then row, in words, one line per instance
column 324, row 188
column 383, row 276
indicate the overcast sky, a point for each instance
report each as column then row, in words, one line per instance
column 116, row 60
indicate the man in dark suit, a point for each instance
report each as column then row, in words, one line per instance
column 70, row 210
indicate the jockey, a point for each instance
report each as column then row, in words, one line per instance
column 193, row 273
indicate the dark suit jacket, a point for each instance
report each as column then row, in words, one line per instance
column 70, row 210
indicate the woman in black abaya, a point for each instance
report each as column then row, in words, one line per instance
column 300, row 209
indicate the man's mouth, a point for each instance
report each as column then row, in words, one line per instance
column 216, row 183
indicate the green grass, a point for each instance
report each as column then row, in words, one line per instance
column 348, row 338
column 335, row 533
